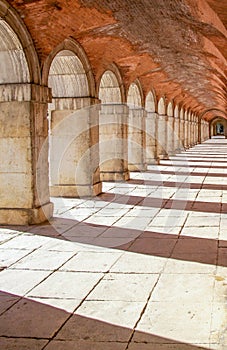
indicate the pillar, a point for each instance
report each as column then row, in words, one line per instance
column 182, row 129
column 186, row 143
column 162, row 137
column 176, row 131
column 170, row 135
column 74, row 148
column 151, row 121
column 24, row 172
column 137, row 139
column 113, row 142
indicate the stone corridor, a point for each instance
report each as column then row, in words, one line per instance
column 143, row 266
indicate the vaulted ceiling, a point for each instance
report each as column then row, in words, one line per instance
column 177, row 47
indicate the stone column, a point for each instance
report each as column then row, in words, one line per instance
column 113, row 120
column 74, row 148
column 189, row 131
column 196, row 126
column 151, row 121
column 182, row 130
column 24, row 175
column 199, row 128
column 137, row 140
column 170, row 135
column 192, row 131
column 176, row 133
column 186, row 144
column 162, row 137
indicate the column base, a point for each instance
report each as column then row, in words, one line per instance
column 152, row 161
column 163, row 157
column 107, row 176
column 137, row 167
column 76, row 191
column 21, row 216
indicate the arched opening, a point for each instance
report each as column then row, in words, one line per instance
column 13, row 63
column 112, row 128
column 161, row 106
column 136, row 128
column 134, row 99
column 67, row 76
column 72, row 128
column 218, row 127
column 109, row 89
column 23, row 197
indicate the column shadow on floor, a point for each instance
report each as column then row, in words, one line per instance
column 28, row 324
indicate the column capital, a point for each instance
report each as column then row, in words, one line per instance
column 25, row 93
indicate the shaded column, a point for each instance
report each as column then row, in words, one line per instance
column 151, row 122
column 74, row 148
column 137, row 139
column 24, row 172
column 170, row 135
column 162, row 137
column 113, row 142
column 186, row 143
column 199, row 130
column 182, row 129
column 176, row 131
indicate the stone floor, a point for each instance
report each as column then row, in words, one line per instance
column 141, row 267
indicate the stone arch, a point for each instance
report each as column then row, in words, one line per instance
column 170, row 109
column 162, row 106
column 17, row 51
column 109, row 88
column 135, row 95
column 67, row 76
column 150, row 102
column 218, row 126
column 24, row 184
column 113, row 126
column 176, row 112
column 70, row 52
column 73, row 122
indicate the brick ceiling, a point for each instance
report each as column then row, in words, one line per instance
column 178, row 47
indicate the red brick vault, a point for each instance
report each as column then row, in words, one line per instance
column 100, row 89
column 178, row 48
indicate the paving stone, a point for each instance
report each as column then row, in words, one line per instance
column 138, row 263
column 20, row 343
column 19, row 282
column 194, row 288
column 192, row 324
column 102, row 321
column 113, row 287
column 43, row 260
column 91, row 262
column 84, row 345
column 61, row 284
column 32, row 320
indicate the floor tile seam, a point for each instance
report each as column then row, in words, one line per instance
column 31, row 252
column 53, row 270
column 44, row 279
column 23, row 337
column 9, row 239
column 8, row 308
column 73, row 312
column 143, row 311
